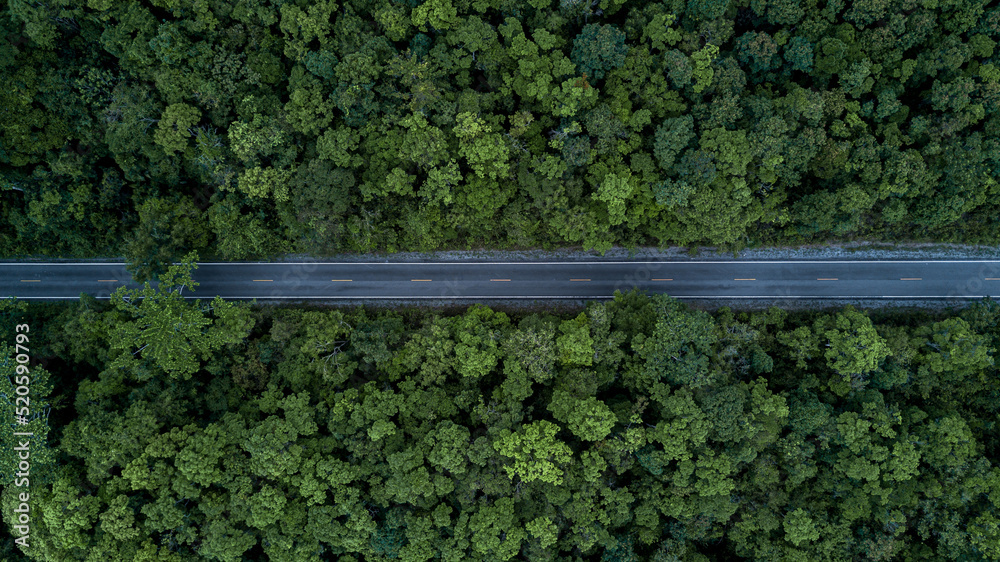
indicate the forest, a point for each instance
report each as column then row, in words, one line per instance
column 251, row 128
column 167, row 429
column 638, row 429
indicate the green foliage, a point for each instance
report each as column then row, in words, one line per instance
column 240, row 234
column 447, row 447
column 680, row 347
column 588, row 419
column 438, row 14
column 308, row 110
column 800, row 528
column 259, row 138
column 498, row 535
column 372, row 435
column 706, row 9
column 659, row 32
column 672, row 137
column 575, row 345
column 758, row 51
column 260, row 182
column 854, row 348
column 535, row 452
column 173, row 130
column 615, row 191
column 544, row 530
column 459, row 119
column 533, row 351
column 161, row 329
column 302, row 26
column 798, row 53
column 484, row 150
column 598, row 49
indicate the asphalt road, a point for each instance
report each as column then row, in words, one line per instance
column 531, row 280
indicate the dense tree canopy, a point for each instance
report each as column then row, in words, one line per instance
column 637, row 429
column 242, row 130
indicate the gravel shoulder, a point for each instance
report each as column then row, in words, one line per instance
column 851, row 251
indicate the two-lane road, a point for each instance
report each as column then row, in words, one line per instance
column 833, row 279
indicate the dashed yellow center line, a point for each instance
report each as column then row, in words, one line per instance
column 911, row 278
column 993, row 278
column 263, row 280
column 31, row 280
column 419, row 279
column 579, row 279
column 827, row 279
column 661, row 279
column 749, row 279
column 107, row 280
column 499, row 279
column 342, row 280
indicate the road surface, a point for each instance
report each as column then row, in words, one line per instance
column 469, row 281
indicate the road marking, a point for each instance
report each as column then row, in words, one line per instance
column 341, row 280
column 826, row 279
column 911, row 278
column 31, row 280
column 419, row 279
column 107, row 280
column 579, row 279
column 263, row 280
column 499, row 279
column 744, row 279
column 661, row 279
column 993, row 278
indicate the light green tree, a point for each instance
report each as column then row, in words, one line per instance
column 498, row 532
column 533, row 351
column 259, row 137
column 302, row 26
column 441, row 184
column 588, row 419
column 448, row 443
column 575, row 345
column 535, row 452
column 337, row 145
column 543, row 529
column 173, row 129
column 800, row 528
column 702, row 72
column 615, row 192
column 854, row 347
column 438, row 14
column 308, row 110
column 260, row 182
column 485, row 151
